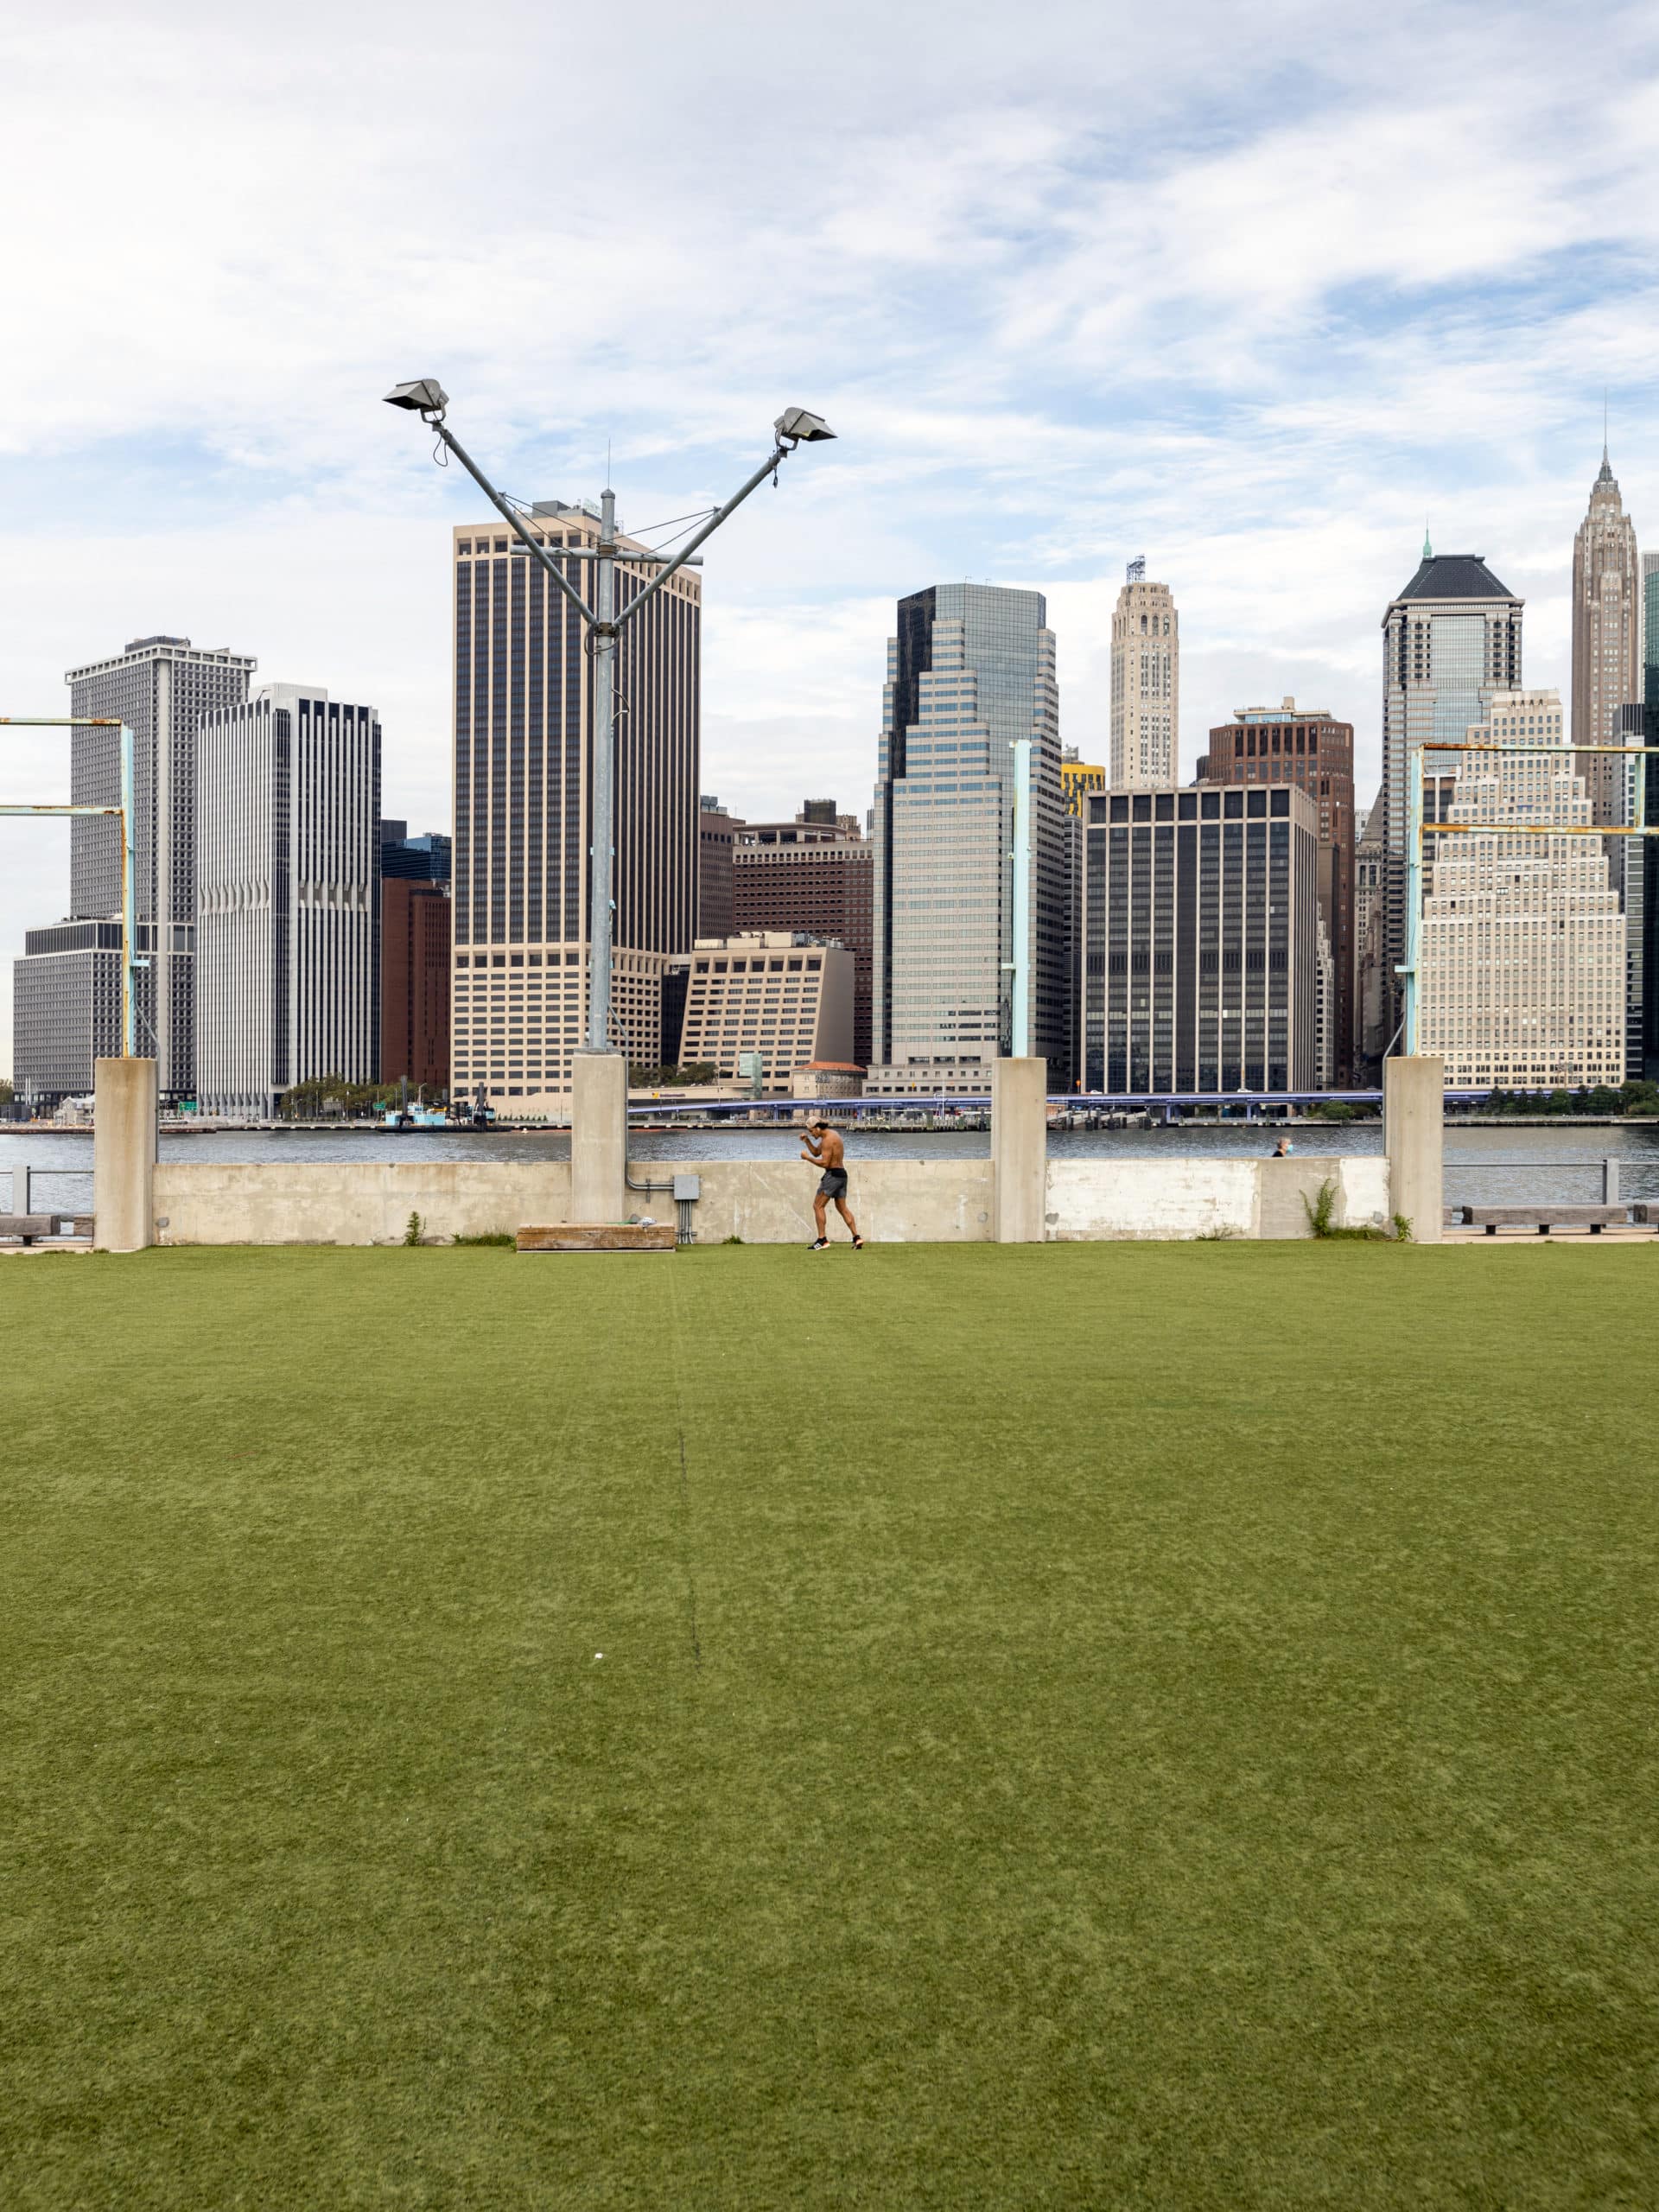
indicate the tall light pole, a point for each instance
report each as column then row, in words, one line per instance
column 795, row 426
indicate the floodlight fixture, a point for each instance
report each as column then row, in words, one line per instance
column 603, row 622
column 426, row 396
column 796, row 426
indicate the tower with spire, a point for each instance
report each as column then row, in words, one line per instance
column 1606, row 636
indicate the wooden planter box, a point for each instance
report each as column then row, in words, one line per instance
column 600, row 1236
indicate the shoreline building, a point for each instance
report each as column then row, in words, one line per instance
column 971, row 672
column 1146, row 753
column 66, row 1007
column 1630, row 871
column 414, row 952
column 160, row 687
column 1607, row 673
column 1371, row 910
column 817, row 874
column 1450, row 641
column 1306, row 746
column 522, row 784
column 1200, row 949
column 1521, row 959
column 287, row 810
column 781, row 993
column 1648, row 1064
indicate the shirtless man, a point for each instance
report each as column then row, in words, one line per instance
column 824, row 1149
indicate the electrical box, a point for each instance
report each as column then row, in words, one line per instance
column 688, row 1186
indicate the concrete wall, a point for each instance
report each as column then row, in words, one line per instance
column 763, row 1201
column 349, row 1202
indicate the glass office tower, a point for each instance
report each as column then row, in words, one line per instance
column 1201, row 944
column 970, row 671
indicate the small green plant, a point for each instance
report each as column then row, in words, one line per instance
column 1222, row 1233
column 1321, row 1211
column 1402, row 1231
column 1322, row 1221
column 731, row 1240
column 413, row 1229
column 490, row 1236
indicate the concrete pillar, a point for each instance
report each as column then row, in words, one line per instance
column 1019, row 1150
column 1414, row 1116
column 124, row 1154
column 599, row 1137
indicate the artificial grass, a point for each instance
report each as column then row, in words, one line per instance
column 1092, row 1725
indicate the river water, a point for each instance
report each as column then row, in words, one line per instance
column 1489, row 1166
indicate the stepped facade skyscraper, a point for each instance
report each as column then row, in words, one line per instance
column 970, row 671
column 1607, row 637
column 1145, row 686
column 1450, row 641
column 524, row 789
column 1521, row 963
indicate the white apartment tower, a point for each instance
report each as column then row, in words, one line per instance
column 1145, row 686
column 1521, row 961
column 288, row 891
column 1606, row 636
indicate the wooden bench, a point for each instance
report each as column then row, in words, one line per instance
column 1544, row 1218
column 29, row 1228
column 600, row 1236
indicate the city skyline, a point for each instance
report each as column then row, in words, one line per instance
column 1185, row 331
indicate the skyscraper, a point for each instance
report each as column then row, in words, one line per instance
column 523, row 769
column 716, row 827
column 1078, row 778
column 970, row 671
column 429, row 858
column 160, row 687
column 1371, row 1000
column 415, row 953
column 1290, row 745
column 67, row 1007
column 288, row 812
column 1145, row 686
column 1521, row 960
column 1451, row 639
column 1200, row 948
column 1606, row 636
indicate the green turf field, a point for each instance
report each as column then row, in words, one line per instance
column 1099, row 1725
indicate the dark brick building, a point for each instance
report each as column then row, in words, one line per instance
column 414, row 981
column 810, row 875
column 1288, row 745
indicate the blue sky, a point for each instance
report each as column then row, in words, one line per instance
column 1252, row 291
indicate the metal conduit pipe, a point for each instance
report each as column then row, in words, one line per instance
column 686, row 1190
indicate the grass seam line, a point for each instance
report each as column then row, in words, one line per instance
column 685, row 1481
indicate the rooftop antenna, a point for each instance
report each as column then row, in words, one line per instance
column 1428, row 550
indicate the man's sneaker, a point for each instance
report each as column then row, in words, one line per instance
column 819, row 1244
column 858, row 1243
